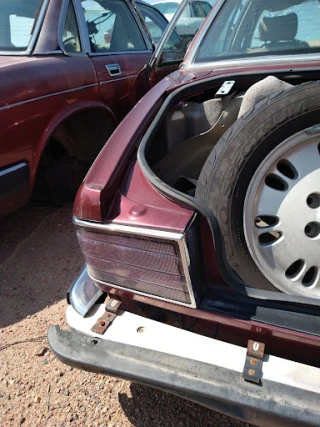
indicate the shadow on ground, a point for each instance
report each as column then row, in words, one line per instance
column 153, row 408
column 39, row 259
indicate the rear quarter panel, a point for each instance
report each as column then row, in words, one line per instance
column 35, row 95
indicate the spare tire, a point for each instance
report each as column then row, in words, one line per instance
column 262, row 182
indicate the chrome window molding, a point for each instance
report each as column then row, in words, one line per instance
column 38, row 26
column 84, row 35
column 82, row 26
column 254, row 61
column 142, row 23
column 13, row 53
column 144, row 35
column 125, row 52
column 49, row 52
column 34, row 36
column 179, row 238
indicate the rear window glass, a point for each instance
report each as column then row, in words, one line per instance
column 17, row 22
column 262, row 27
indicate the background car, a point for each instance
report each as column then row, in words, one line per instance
column 65, row 86
column 195, row 9
column 191, row 19
column 202, row 235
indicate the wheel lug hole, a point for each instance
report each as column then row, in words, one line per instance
column 313, row 200
column 312, row 230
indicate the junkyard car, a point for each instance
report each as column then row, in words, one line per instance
column 64, row 87
column 196, row 8
column 192, row 17
column 200, row 224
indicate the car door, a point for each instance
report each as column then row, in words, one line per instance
column 153, row 20
column 169, row 52
column 118, row 48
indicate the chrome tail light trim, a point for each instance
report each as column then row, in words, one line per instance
column 179, row 238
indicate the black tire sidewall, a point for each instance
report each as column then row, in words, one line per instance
column 234, row 161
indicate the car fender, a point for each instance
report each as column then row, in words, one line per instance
column 57, row 120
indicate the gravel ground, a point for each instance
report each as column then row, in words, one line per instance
column 39, row 258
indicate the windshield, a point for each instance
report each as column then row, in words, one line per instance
column 17, row 23
column 244, row 28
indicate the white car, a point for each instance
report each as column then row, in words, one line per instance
column 191, row 18
column 195, row 9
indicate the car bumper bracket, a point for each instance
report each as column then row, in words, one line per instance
column 103, row 323
column 252, row 370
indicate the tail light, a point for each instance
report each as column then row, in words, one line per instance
column 144, row 261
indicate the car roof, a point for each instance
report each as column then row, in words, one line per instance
column 152, row 2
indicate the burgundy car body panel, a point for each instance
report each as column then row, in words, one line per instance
column 39, row 91
column 137, row 204
column 58, row 74
column 101, row 183
column 67, row 85
column 48, row 37
column 117, row 91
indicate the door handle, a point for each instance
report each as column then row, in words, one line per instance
column 113, row 69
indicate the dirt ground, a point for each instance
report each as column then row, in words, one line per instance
column 39, row 259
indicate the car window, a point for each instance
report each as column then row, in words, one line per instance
column 17, row 22
column 185, row 29
column 262, row 27
column 71, row 39
column 112, row 27
column 199, row 9
column 307, row 30
column 168, row 8
column 154, row 21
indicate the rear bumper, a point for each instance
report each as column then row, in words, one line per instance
column 201, row 369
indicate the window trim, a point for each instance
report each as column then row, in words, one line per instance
column 130, row 52
column 62, row 23
column 151, row 10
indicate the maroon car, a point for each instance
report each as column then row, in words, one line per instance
column 67, row 75
column 200, row 223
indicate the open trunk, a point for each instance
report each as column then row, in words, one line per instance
column 176, row 148
column 195, row 119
